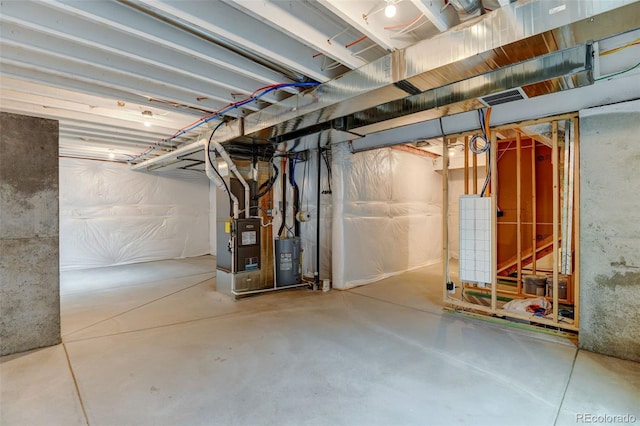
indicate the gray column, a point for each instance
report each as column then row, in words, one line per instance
column 29, row 272
column 610, row 230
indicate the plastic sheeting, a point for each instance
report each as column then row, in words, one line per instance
column 111, row 215
column 387, row 214
column 306, row 175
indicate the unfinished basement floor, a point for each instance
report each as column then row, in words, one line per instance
column 154, row 344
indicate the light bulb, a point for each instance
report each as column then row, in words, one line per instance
column 112, row 155
column 390, row 10
column 147, row 124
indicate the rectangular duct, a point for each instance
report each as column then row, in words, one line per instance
column 514, row 33
column 550, row 73
column 461, row 56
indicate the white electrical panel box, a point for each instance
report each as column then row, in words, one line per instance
column 475, row 239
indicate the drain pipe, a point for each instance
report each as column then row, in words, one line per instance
column 217, row 180
column 247, row 191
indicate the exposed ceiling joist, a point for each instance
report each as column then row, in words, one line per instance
column 54, row 79
column 434, row 11
column 90, row 63
column 62, row 114
column 145, row 80
column 224, row 83
column 224, row 21
column 31, row 57
column 353, row 12
column 299, row 29
column 98, row 20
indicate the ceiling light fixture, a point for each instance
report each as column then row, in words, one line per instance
column 390, row 10
column 147, row 115
column 455, row 147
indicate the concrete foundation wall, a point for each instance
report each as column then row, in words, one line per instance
column 610, row 230
column 29, row 277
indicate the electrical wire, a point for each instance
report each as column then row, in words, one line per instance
column 292, row 176
column 504, row 152
column 304, row 181
column 486, row 148
column 616, row 50
column 267, row 185
column 325, row 157
column 405, row 24
column 208, row 148
column 619, row 48
column 617, row 73
column 256, row 95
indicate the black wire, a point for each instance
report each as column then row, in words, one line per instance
column 268, row 184
column 487, row 149
column 326, row 161
column 292, row 167
column 304, row 180
column 208, row 148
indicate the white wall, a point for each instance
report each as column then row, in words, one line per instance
column 387, row 214
column 111, row 215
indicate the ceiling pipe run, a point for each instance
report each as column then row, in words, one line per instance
column 512, row 34
column 287, row 73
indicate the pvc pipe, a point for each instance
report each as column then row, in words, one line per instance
column 170, row 157
column 208, row 168
column 247, row 191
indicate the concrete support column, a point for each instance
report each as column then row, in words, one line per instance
column 610, row 230
column 29, row 271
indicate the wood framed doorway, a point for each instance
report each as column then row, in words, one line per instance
column 530, row 186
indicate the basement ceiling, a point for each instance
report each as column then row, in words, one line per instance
column 132, row 80
column 122, row 75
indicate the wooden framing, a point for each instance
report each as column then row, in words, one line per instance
column 569, row 116
column 519, row 213
column 466, row 164
column 534, row 217
column 556, row 210
column 493, row 155
column 475, row 173
column 554, row 319
column 445, row 215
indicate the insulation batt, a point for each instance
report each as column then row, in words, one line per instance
column 111, row 215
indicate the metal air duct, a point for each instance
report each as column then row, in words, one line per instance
column 468, row 6
column 513, row 34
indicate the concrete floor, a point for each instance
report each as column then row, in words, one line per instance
column 155, row 344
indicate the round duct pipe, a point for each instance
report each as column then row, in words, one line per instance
column 469, row 7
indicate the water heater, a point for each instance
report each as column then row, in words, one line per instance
column 287, row 261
